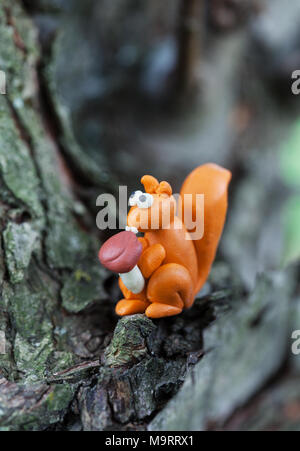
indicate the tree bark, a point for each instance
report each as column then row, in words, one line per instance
column 56, row 318
column 66, row 363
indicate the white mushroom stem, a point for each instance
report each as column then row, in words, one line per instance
column 133, row 280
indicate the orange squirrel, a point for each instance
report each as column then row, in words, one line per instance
column 175, row 268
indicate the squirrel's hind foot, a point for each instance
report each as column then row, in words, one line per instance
column 130, row 307
column 157, row 310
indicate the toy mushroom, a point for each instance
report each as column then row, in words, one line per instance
column 120, row 254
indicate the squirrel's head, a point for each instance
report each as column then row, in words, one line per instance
column 153, row 209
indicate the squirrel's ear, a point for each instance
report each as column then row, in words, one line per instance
column 164, row 188
column 150, row 184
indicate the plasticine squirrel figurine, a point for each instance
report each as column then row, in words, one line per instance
column 161, row 272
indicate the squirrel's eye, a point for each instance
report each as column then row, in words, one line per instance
column 144, row 200
column 134, row 197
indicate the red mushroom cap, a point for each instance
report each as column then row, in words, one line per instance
column 121, row 252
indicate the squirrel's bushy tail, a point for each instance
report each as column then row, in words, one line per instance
column 212, row 181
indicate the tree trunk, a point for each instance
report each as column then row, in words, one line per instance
column 65, row 361
column 56, row 319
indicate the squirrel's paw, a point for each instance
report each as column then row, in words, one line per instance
column 157, row 310
column 130, row 307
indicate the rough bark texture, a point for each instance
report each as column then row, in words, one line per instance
column 65, row 361
column 56, row 319
column 47, row 259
